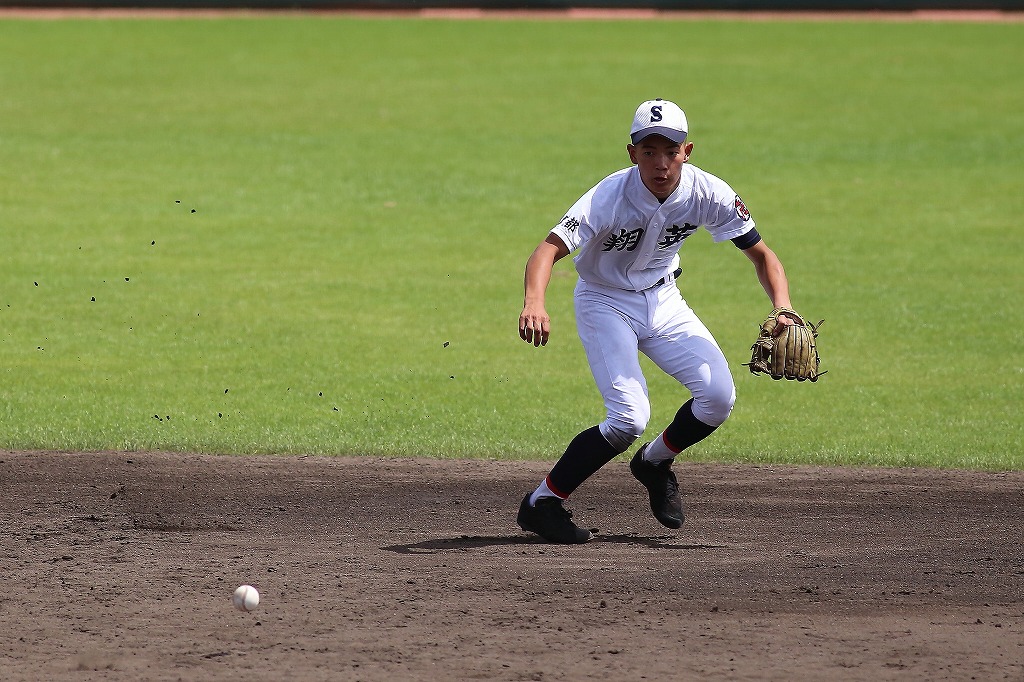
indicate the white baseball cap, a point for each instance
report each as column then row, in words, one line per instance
column 659, row 117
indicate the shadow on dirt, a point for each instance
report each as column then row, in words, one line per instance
column 467, row 542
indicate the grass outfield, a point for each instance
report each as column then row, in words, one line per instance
column 307, row 234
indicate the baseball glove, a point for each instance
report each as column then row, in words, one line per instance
column 787, row 354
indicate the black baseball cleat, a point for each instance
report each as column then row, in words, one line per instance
column 550, row 520
column 661, row 486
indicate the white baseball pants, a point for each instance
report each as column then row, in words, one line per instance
column 614, row 325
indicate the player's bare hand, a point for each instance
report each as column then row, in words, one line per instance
column 785, row 320
column 534, row 326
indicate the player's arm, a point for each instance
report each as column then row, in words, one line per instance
column 771, row 274
column 534, row 323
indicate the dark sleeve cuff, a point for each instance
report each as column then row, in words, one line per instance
column 746, row 240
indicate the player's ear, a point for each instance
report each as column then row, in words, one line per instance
column 632, row 153
column 687, row 148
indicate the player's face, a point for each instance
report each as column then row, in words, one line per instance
column 660, row 161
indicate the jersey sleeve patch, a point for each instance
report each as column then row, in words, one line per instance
column 568, row 230
column 741, row 209
column 569, row 224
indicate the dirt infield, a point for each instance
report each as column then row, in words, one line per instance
column 121, row 566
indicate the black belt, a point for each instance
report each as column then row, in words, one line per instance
column 675, row 275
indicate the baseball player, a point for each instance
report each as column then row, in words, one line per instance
column 626, row 233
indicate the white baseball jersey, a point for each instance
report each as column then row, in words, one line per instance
column 628, row 240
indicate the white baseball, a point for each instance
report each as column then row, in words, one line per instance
column 246, row 598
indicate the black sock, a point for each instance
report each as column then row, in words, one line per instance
column 685, row 429
column 587, row 453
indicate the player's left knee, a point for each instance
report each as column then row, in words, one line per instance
column 715, row 404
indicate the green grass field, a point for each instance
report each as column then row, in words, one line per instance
column 307, row 234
